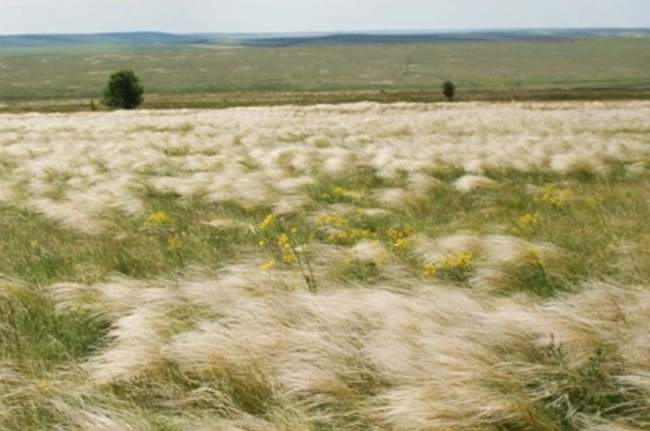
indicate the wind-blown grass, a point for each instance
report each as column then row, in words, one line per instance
column 362, row 267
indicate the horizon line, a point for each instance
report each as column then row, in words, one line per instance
column 335, row 32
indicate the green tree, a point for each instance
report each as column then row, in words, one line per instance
column 123, row 91
column 449, row 90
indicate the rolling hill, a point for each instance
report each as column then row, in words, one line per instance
column 292, row 39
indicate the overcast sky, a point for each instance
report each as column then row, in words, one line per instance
column 81, row 16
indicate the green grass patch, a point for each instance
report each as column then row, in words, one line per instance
column 36, row 331
column 591, row 388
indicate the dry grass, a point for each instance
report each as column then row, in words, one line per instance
column 361, row 267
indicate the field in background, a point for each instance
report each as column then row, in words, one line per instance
column 402, row 267
column 60, row 78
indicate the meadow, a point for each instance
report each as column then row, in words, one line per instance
column 68, row 77
column 361, row 266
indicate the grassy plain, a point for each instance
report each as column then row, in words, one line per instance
column 216, row 75
column 362, row 267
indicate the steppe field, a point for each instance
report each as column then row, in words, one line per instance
column 402, row 267
column 207, row 76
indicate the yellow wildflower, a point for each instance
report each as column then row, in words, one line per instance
column 533, row 257
column 430, row 270
column 262, row 243
column 268, row 222
column 396, row 234
column 393, row 234
column 460, row 261
column 267, row 266
column 528, row 221
column 288, row 255
column 158, row 218
column 555, row 197
column 403, row 244
column 283, row 241
column 174, row 243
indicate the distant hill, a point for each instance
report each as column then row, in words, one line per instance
column 439, row 37
column 289, row 39
column 137, row 38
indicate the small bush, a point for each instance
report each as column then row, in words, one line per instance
column 123, row 91
column 449, row 90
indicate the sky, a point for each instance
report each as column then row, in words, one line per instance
column 232, row 16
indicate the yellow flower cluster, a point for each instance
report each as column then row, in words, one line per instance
column 158, row 218
column 557, row 198
column 400, row 237
column 398, row 233
column 456, row 265
column 340, row 193
column 288, row 254
column 268, row 221
column 331, row 220
column 402, row 244
column 430, row 270
column 459, row 261
column 532, row 257
column 347, row 234
column 528, row 221
column 267, row 266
